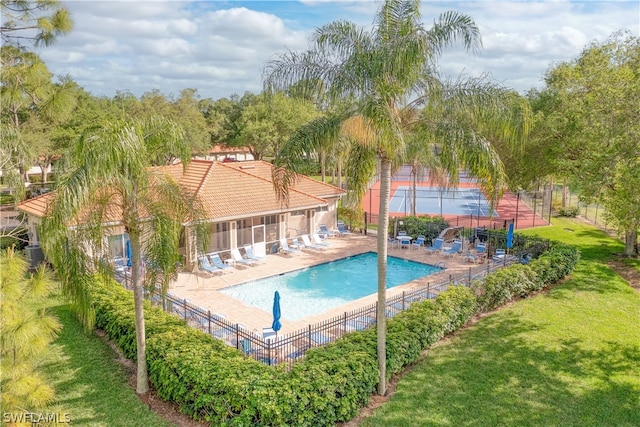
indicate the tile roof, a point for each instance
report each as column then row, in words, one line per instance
column 303, row 183
column 230, row 190
column 37, row 205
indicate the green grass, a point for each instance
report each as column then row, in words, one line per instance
column 569, row 357
column 91, row 386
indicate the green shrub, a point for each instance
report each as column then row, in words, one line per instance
column 519, row 280
column 211, row 381
column 428, row 226
column 7, row 199
column 569, row 212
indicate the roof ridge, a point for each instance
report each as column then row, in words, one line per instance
column 204, row 177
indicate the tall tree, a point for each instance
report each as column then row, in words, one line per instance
column 593, row 117
column 39, row 22
column 106, row 173
column 31, row 104
column 27, row 329
column 380, row 69
column 268, row 121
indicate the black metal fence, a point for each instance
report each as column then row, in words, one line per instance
column 289, row 347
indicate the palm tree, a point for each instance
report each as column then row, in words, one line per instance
column 107, row 179
column 381, row 69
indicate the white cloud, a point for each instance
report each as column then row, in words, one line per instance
column 221, row 47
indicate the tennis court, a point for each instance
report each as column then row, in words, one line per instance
column 443, row 201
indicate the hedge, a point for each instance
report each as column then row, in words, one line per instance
column 519, row 280
column 211, row 381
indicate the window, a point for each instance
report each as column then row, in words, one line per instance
column 322, row 208
column 297, row 213
column 219, row 237
column 116, row 245
column 243, row 231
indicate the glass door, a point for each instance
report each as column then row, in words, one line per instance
column 258, row 240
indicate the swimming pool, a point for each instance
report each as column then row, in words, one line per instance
column 316, row 289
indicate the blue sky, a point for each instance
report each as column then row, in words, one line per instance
column 220, row 47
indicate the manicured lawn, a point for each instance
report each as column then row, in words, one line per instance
column 569, row 357
column 91, row 386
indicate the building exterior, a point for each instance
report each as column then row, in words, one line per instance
column 241, row 206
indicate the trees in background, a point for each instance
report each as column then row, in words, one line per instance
column 381, row 70
column 268, row 120
column 589, row 129
column 27, row 329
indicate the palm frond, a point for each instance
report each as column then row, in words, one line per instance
column 450, row 27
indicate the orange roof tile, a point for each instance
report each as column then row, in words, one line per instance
column 303, row 183
column 229, row 190
column 36, row 206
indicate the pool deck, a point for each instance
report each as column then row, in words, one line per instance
column 203, row 290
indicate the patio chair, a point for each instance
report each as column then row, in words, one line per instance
column 419, row 242
column 247, row 348
column 319, row 338
column 455, row 249
column 206, row 265
column 342, row 229
column 437, row 245
column 307, row 243
column 500, row 255
column 393, row 242
column 217, row 261
column 318, row 240
column 479, row 255
column 324, row 230
column 239, row 259
column 248, row 249
column 284, row 247
column 295, row 244
column 268, row 334
column 299, row 352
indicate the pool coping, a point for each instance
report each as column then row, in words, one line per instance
column 203, row 291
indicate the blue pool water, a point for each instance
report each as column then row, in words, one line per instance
column 316, row 289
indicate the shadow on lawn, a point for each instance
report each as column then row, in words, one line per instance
column 508, row 372
column 90, row 385
column 601, row 247
column 588, row 277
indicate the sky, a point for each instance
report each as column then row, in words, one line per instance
column 220, row 48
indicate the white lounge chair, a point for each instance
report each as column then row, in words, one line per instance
column 284, row 247
column 318, row 240
column 308, row 244
column 248, row 249
column 239, row 259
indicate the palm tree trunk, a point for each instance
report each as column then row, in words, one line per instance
column 383, row 226
column 323, row 160
column 142, row 379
